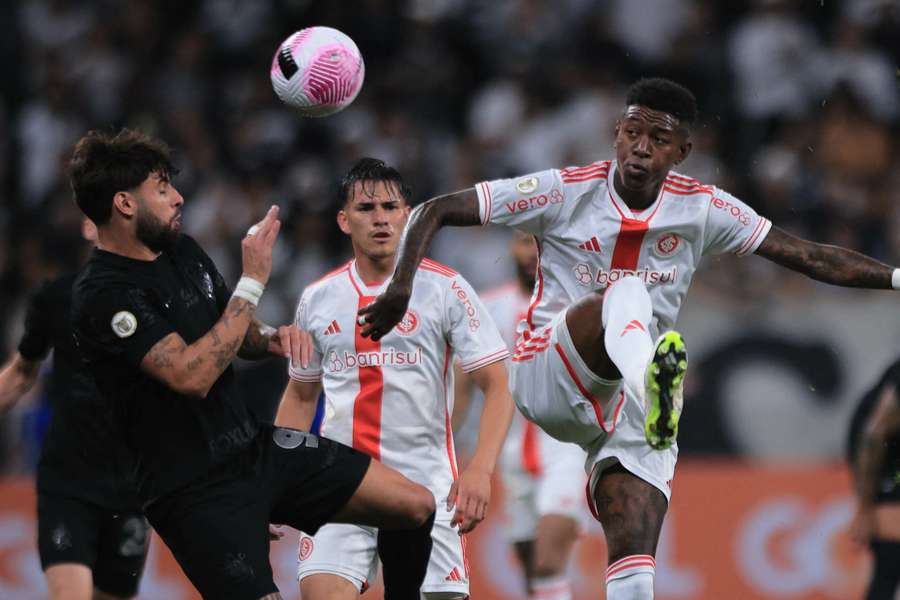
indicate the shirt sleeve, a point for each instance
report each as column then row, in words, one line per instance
column 474, row 337
column 529, row 203
column 125, row 322
column 732, row 226
column 38, row 336
column 313, row 372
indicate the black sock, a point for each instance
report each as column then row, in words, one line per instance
column 885, row 579
column 404, row 557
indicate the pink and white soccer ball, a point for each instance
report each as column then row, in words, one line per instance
column 317, row 71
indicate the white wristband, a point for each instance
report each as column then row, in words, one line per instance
column 895, row 279
column 249, row 289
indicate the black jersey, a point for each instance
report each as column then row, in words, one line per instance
column 889, row 477
column 122, row 308
column 83, row 455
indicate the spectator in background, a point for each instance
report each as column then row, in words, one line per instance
column 873, row 452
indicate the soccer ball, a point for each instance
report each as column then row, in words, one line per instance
column 317, row 71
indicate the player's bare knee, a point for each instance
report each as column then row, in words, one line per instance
column 422, row 506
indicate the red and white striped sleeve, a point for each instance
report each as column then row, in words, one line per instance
column 732, row 226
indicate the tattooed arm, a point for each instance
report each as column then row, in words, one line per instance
column 458, row 208
column 822, row 262
column 256, row 342
column 193, row 369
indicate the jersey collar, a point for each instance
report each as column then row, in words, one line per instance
column 363, row 288
column 622, row 207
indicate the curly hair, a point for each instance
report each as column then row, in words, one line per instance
column 105, row 163
column 666, row 96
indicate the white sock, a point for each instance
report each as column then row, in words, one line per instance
column 631, row 578
column 551, row 588
column 627, row 312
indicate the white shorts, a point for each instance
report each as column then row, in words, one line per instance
column 350, row 551
column 553, row 387
column 556, row 489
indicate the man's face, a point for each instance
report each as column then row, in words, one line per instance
column 158, row 217
column 648, row 144
column 374, row 217
column 524, row 253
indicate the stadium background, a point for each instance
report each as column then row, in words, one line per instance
column 799, row 104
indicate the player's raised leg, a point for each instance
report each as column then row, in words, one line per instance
column 328, row 586
column 618, row 344
column 403, row 512
column 69, row 581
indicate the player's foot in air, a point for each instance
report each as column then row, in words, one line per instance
column 665, row 390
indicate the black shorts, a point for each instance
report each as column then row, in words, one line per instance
column 217, row 528
column 112, row 544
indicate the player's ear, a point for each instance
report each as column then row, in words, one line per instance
column 684, row 150
column 125, row 203
column 342, row 221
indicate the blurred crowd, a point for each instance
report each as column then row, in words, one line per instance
column 799, row 112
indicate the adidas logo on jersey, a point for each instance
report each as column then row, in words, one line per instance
column 454, row 575
column 592, row 245
column 333, row 328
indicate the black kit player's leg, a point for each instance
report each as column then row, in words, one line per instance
column 631, row 512
column 885, row 581
column 404, row 513
column 405, row 555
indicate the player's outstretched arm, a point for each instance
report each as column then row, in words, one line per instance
column 826, row 263
column 880, row 427
column 297, row 408
column 16, row 378
column 193, row 369
column 471, row 493
column 459, row 209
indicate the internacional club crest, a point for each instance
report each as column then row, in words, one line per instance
column 667, row 245
column 408, row 324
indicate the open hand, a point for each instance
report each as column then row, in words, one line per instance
column 256, row 247
column 470, row 494
column 292, row 343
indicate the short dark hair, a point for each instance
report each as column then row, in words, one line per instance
column 105, row 163
column 666, row 96
column 372, row 169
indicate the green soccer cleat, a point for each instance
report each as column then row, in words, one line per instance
column 665, row 390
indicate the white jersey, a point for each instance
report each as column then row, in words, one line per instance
column 392, row 399
column 588, row 238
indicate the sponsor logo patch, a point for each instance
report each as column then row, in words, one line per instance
column 124, row 324
column 527, row 185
